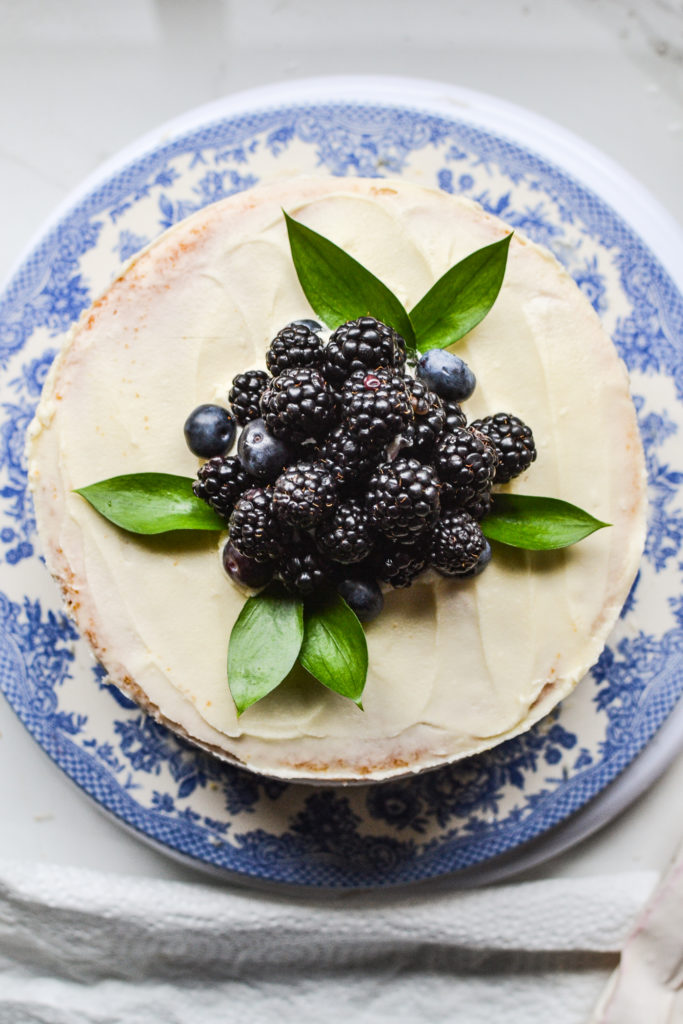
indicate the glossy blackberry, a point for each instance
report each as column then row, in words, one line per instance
column 342, row 453
column 457, row 543
column 480, row 506
column 513, row 441
column 480, row 565
column 255, row 530
column 466, row 466
column 220, row 482
column 349, row 535
column 303, row 570
column 429, row 419
column 455, row 417
column 295, row 345
column 376, row 408
column 403, row 498
column 245, row 394
column 363, row 344
column 304, row 495
column 398, row 563
column 298, row 404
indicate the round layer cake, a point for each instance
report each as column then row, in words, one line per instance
column 454, row 667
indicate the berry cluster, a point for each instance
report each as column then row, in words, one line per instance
column 351, row 471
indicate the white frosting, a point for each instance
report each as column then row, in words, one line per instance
column 454, row 667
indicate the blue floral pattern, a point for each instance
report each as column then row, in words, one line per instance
column 444, row 820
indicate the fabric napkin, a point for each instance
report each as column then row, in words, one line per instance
column 648, row 986
column 77, row 946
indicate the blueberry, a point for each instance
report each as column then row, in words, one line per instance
column 246, row 571
column 210, row 430
column 261, row 454
column 312, row 325
column 446, row 375
column 364, row 597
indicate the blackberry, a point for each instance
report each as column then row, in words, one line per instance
column 398, row 563
column 480, row 506
column 466, row 466
column 294, row 345
column 481, row 563
column 429, row 419
column 298, row 404
column 341, row 452
column 304, row 495
column 220, row 482
column 455, row 417
column 303, row 570
column 376, row 408
column 513, row 442
column 348, row 536
column 403, row 498
column 255, row 530
column 363, row 344
column 457, row 543
column 245, row 394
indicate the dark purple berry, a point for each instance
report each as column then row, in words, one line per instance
column 298, row 405
column 446, row 374
column 261, row 454
column 363, row 344
column 246, row 572
column 304, row 495
column 210, row 430
column 513, row 442
column 364, row 597
column 245, row 394
column 403, row 498
column 295, row 345
column 457, row 544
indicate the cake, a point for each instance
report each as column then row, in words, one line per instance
column 454, row 667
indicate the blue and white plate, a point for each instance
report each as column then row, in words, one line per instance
column 615, row 242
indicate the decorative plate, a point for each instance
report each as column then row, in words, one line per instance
column 446, row 820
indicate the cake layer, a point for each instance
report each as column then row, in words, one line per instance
column 455, row 667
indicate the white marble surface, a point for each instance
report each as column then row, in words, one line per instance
column 80, row 79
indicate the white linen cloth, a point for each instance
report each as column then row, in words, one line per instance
column 648, row 986
column 78, row 947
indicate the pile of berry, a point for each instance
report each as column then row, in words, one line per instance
column 349, row 470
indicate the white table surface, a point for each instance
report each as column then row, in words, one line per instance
column 81, row 79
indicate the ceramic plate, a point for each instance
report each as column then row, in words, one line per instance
column 614, row 241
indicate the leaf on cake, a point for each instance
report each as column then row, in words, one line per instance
column 150, row 503
column 338, row 287
column 264, row 645
column 536, row 523
column 461, row 298
column 334, row 648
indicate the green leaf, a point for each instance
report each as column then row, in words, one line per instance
column 338, row 287
column 151, row 503
column 334, row 649
column 461, row 298
column 536, row 523
column 264, row 644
